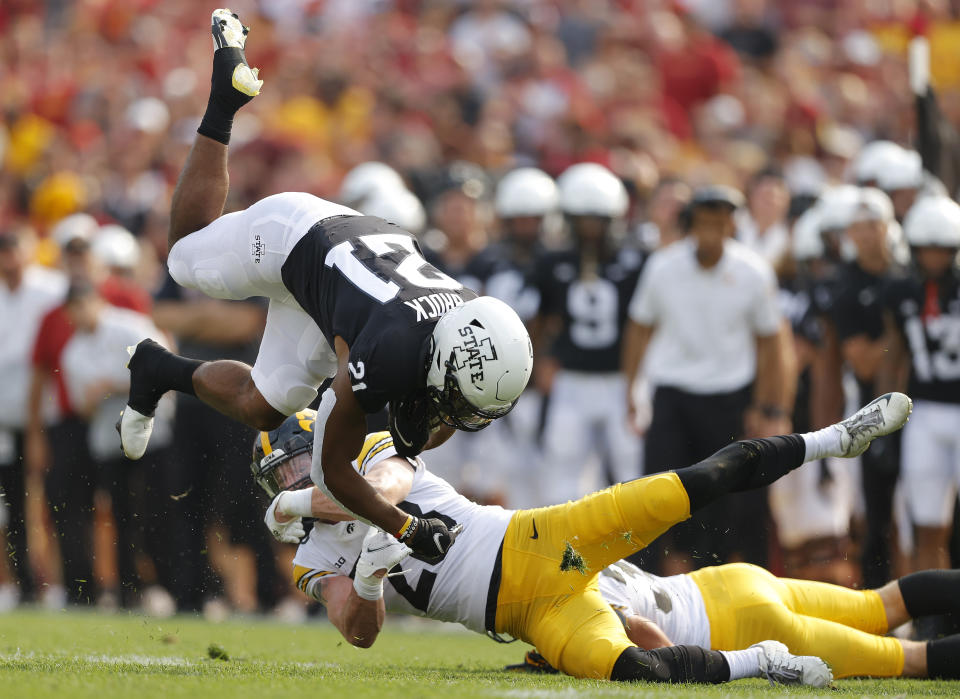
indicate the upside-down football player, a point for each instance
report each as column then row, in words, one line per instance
column 538, row 574
column 351, row 299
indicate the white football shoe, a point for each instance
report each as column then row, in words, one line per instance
column 229, row 32
column 884, row 415
column 779, row 666
column 134, row 427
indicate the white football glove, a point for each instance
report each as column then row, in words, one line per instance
column 380, row 553
column 289, row 532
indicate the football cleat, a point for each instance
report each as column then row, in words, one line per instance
column 136, row 423
column 884, row 415
column 533, row 663
column 779, row 666
column 228, row 32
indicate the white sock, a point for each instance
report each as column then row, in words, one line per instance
column 743, row 663
column 822, row 443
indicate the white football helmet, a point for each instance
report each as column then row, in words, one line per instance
column 875, row 158
column 480, row 363
column 398, row 206
column 807, row 241
column 933, row 222
column 589, row 189
column 115, row 246
column 905, row 172
column 366, row 179
column 526, row 191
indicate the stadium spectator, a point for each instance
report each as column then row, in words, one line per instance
column 705, row 327
column 27, row 292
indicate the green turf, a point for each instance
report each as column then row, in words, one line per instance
column 75, row 654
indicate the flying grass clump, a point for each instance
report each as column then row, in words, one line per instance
column 572, row 560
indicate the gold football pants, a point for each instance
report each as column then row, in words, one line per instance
column 746, row 604
column 551, row 558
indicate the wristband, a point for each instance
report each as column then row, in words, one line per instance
column 297, row 503
column 370, row 589
column 407, row 530
column 769, row 410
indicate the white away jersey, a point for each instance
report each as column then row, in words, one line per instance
column 674, row 604
column 452, row 589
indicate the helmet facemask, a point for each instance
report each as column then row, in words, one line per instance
column 278, row 471
column 456, row 411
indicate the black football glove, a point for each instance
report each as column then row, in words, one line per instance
column 411, row 421
column 430, row 539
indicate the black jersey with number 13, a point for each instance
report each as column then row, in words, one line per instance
column 365, row 280
column 928, row 316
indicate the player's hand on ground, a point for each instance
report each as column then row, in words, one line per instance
column 288, row 531
column 430, row 539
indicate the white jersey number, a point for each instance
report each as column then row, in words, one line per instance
column 944, row 364
column 409, row 269
column 593, row 306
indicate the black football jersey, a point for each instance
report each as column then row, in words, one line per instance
column 593, row 310
column 928, row 315
column 365, row 280
column 498, row 273
column 858, row 303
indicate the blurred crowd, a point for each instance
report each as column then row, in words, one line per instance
column 569, row 156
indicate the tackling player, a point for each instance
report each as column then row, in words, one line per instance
column 533, row 574
column 351, row 298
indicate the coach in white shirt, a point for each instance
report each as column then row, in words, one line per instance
column 705, row 324
column 27, row 292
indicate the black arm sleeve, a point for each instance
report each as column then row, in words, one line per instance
column 671, row 664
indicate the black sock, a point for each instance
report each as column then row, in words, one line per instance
column 179, row 372
column 225, row 99
column 931, row 592
column 743, row 465
column 153, row 371
column 671, row 664
column 943, row 658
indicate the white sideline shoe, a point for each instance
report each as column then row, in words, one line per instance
column 884, row 415
column 779, row 666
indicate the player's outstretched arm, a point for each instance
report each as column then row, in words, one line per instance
column 357, row 619
column 202, row 189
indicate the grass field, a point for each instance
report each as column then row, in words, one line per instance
column 73, row 654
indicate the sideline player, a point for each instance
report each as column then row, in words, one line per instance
column 584, row 291
column 351, row 298
column 923, row 343
column 533, row 574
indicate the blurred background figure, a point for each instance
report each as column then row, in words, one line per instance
column 27, row 293
column 94, row 366
column 584, row 290
column 923, row 341
column 857, row 317
column 705, row 328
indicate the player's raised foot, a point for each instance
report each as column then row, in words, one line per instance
column 533, row 663
column 884, row 415
column 230, row 34
column 779, row 666
column 136, row 420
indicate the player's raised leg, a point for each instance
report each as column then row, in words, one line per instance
column 202, row 189
column 613, row 523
